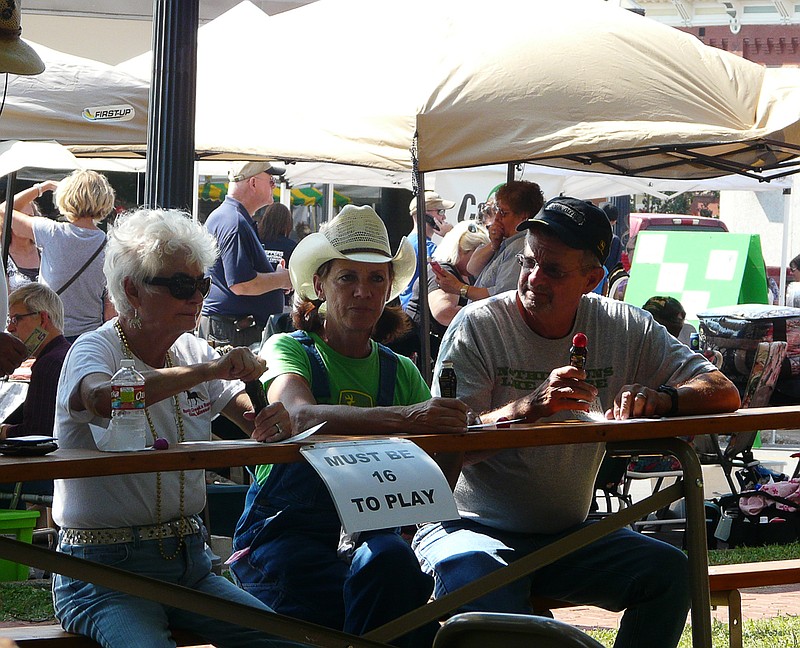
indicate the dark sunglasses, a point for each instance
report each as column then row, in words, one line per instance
column 181, row 285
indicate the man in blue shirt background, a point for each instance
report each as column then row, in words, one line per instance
column 245, row 289
column 435, row 223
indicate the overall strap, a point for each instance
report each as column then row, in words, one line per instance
column 387, row 376
column 320, row 386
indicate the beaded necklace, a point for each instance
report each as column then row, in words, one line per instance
column 181, row 529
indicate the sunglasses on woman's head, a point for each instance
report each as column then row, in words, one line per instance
column 181, row 285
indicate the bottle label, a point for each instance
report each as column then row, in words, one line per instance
column 447, row 383
column 127, row 397
column 577, row 358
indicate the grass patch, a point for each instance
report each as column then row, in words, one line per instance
column 26, row 601
column 753, row 554
column 783, row 631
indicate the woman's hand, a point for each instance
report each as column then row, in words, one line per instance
column 447, row 282
column 272, row 424
column 47, row 185
column 437, row 416
column 497, row 234
column 238, row 364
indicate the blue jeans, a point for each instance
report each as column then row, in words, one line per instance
column 622, row 571
column 117, row 620
column 291, row 530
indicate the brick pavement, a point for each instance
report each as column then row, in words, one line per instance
column 757, row 603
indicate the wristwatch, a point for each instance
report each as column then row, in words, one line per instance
column 673, row 394
column 463, row 291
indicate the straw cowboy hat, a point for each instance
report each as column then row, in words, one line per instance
column 16, row 56
column 358, row 234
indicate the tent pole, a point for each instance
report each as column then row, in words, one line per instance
column 328, row 198
column 171, row 124
column 196, row 192
column 11, row 180
column 422, row 266
column 787, row 243
column 511, row 172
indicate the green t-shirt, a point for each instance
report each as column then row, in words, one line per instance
column 353, row 381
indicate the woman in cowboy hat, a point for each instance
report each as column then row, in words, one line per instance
column 289, row 534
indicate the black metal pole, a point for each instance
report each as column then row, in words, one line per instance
column 422, row 266
column 11, row 180
column 170, row 131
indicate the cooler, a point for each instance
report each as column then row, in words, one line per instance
column 740, row 333
column 19, row 525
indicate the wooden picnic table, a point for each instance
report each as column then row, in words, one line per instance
column 652, row 435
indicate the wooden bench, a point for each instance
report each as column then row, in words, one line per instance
column 725, row 581
column 42, row 636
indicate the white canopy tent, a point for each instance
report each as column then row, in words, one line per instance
column 577, row 84
column 16, row 155
column 75, row 101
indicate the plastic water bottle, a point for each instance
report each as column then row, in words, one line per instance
column 128, row 420
column 448, row 385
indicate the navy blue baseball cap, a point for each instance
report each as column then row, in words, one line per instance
column 577, row 223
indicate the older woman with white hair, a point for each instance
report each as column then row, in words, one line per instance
column 332, row 370
column 72, row 252
column 149, row 523
column 452, row 255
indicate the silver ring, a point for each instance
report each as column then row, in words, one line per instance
column 640, row 394
column 278, row 428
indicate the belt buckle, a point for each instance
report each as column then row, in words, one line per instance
column 244, row 323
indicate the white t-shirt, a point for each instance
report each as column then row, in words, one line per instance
column 499, row 359
column 130, row 500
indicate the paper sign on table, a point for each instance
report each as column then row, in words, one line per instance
column 382, row 484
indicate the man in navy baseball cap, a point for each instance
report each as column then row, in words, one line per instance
column 577, row 223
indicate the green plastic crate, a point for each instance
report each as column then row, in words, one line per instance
column 19, row 525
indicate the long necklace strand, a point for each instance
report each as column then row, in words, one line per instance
column 180, row 530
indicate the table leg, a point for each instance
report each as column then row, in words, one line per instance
column 696, row 542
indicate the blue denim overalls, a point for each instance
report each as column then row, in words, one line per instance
column 292, row 530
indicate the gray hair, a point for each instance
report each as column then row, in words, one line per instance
column 465, row 237
column 39, row 298
column 140, row 240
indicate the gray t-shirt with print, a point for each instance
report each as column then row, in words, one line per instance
column 498, row 359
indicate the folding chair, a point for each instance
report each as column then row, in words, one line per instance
column 766, row 359
column 481, row 629
column 608, row 486
column 766, row 367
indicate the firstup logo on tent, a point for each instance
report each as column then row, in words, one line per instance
column 122, row 112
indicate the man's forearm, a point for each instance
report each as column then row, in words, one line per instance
column 708, row 393
column 263, row 282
